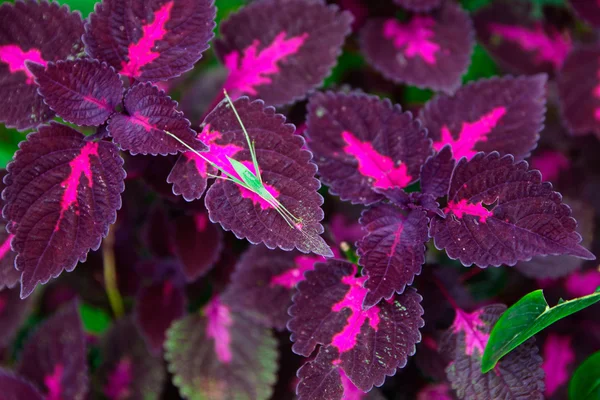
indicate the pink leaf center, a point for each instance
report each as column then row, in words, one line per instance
column 470, row 134
column 470, row 324
column 374, row 165
column 580, row 284
column 346, row 339
column 550, row 163
column 15, row 57
column 548, row 48
column 558, row 354
column 53, row 383
column 255, row 67
column 119, row 381
column 351, row 392
column 462, row 207
column 596, row 94
column 292, row 277
column 201, row 221
column 217, row 328
column 80, row 165
column 5, row 247
column 141, row 53
column 414, row 39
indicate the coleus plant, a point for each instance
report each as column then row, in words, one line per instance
column 451, row 178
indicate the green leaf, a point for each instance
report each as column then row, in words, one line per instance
column 524, row 319
column 95, row 320
column 585, row 383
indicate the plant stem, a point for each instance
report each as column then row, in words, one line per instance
column 110, row 276
column 445, row 292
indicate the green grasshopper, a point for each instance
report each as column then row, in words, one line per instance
column 249, row 180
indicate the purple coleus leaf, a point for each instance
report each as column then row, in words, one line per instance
column 13, row 312
column 62, row 192
column 498, row 114
column 366, row 344
column 271, row 58
column 151, row 114
column 419, row 5
column 362, row 143
column 197, row 243
column 9, row 275
column 54, row 357
column 26, row 28
column 579, row 90
column 221, row 354
column 190, row 173
column 156, row 307
column 393, row 250
column 429, row 50
column 264, row 281
column 152, row 41
column 287, row 175
column 437, row 172
column 518, row 375
column 519, row 42
column 498, row 212
column 558, row 357
column 84, row 92
column 17, row 388
column 587, row 10
column 128, row 370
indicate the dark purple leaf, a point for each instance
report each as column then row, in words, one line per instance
column 519, row 42
column 264, row 281
column 17, row 388
column 579, row 90
column 559, row 358
column 278, row 50
column 189, row 175
column 221, row 355
column 412, row 201
column 38, row 32
column 542, row 267
column 362, row 143
column 13, row 312
column 518, row 375
column 157, row 232
column 61, row 195
column 83, row 92
column 366, row 344
column 393, row 250
column 198, row 244
column 587, row 10
column 287, row 173
column 150, row 113
column 156, row 307
column 150, row 40
column 498, row 114
column 128, row 370
column 419, row 5
column 499, row 213
column 429, row 50
column 9, row 276
column 54, row 357
column 437, row 172
column 435, row 391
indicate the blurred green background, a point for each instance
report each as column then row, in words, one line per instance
column 481, row 66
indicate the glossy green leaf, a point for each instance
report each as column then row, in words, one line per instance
column 585, row 383
column 95, row 320
column 524, row 319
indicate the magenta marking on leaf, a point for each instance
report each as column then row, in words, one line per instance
column 254, row 68
column 79, row 165
column 217, row 327
column 292, row 277
column 413, row 38
column 550, row 163
column 119, row 381
column 558, row 354
column 553, row 49
column 438, row 391
column 141, row 120
column 580, row 284
column 15, row 57
column 53, row 383
column 346, row 339
column 470, row 134
column 140, row 53
column 201, row 221
column 468, row 323
column 351, row 392
column 374, row 165
column 5, row 247
column 463, row 207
